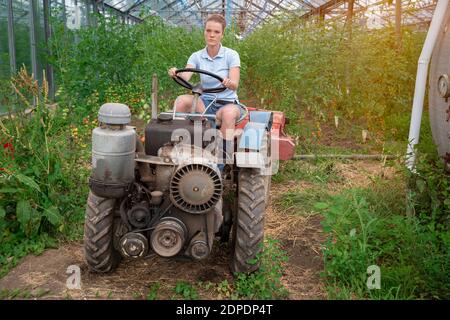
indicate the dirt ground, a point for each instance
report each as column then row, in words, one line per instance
column 300, row 235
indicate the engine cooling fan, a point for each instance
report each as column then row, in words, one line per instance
column 195, row 188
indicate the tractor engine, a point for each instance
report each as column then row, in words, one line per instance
column 171, row 204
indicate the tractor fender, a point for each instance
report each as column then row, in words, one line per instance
column 253, row 142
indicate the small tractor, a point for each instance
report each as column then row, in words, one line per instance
column 171, row 195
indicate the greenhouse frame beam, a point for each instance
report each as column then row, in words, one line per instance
column 252, row 13
column 177, row 13
column 168, row 5
column 258, row 20
column 121, row 6
column 210, row 4
column 64, row 14
column 307, row 4
column 186, row 9
column 95, row 11
column 48, row 35
column 257, row 7
column 123, row 14
column 182, row 22
column 12, row 48
column 88, row 3
column 174, row 13
column 278, row 5
column 136, row 5
column 33, row 47
column 179, row 18
column 323, row 9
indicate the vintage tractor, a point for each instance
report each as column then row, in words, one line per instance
column 172, row 195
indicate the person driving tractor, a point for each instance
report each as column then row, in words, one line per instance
column 224, row 62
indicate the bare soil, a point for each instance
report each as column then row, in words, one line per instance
column 300, row 235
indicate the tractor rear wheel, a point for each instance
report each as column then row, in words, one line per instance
column 98, row 234
column 248, row 228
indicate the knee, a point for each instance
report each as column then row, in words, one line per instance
column 182, row 103
column 230, row 114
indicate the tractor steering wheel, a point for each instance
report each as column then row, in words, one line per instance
column 198, row 87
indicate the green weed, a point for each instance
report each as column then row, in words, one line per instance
column 153, row 291
column 266, row 282
column 413, row 258
column 185, row 290
column 226, row 290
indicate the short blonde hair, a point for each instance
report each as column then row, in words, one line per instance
column 217, row 18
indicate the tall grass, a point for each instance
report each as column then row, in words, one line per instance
column 371, row 227
column 40, row 196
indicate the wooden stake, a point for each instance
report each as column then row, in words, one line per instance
column 154, row 109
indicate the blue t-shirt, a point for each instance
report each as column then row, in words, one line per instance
column 226, row 58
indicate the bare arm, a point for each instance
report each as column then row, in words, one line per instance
column 184, row 75
column 232, row 82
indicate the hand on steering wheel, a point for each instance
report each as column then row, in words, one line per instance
column 198, row 87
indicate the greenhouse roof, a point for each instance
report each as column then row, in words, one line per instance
column 249, row 14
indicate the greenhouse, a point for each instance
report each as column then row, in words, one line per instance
column 224, row 149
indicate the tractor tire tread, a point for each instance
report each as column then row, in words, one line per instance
column 249, row 230
column 99, row 251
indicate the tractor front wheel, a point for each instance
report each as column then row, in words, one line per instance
column 248, row 229
column 98, row 234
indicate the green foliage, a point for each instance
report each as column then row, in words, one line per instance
column 185, row 290
column 266, row 282
column 39, row 195
column 368, row 227
column 225, row 289
column 429, row 191
column 114, row 62
column 153, row 291
column 314, row 71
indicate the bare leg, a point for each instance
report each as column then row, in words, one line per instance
column 228, row 115
column 183, row 104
